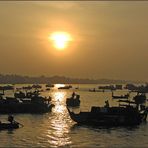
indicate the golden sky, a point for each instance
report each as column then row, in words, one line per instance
column 109, row 39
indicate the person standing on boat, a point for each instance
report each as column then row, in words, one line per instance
column 11, row 119
column 73, row 94
column 106, row 104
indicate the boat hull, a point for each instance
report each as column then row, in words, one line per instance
column 25, row 108
column 121, row 118
column 9, row 126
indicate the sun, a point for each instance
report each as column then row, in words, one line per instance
column 60, row 39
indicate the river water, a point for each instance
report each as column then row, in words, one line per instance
column 56, row 129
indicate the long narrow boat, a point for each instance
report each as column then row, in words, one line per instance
column 126, row 96
column 127, row 114
column 35, row 104
column 112, row 116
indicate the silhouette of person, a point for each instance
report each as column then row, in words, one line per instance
column 73, row 94
column 106, row 103
column 10, row 119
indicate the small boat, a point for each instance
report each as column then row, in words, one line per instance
column 49, row 85
column 65, row 87
column 126, row 96
column 108, row 87
column 7, row 87
column 126, row 115
column 95, row 90
column 73, row 101
column 27, row 87
column 118, row 86
column 36, row 86
column 11, row 125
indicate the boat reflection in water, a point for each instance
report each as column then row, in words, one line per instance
column 60, row 122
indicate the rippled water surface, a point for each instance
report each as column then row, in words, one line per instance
column 56, row 129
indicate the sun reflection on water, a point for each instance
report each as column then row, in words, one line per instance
column 58, row 133
column 59, row 96
column 59, row 85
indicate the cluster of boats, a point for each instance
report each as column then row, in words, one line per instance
column 130, row 87
column 128, row 113
column 29, row 102
column 135, row 88
column 23, row 102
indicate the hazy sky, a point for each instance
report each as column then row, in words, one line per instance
column 110, row 39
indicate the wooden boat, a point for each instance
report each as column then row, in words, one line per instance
column 108, row 87
column 7, row 87
column 11, row 125
column 49, row 85
column 36, row 86
column 65, row 87
column 95, row 90
column 35, row 104
column 126, row 96
column 126, row 115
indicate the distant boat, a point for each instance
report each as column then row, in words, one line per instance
column 20, row 94
column 95, row 90
column 65, row 87
column 47, row 88
column 127, row 115
column 49, row 85
column 126, row 96
column 108, row 87
column 27, row 87
column 139, row 89
column 7, row 87
column 117, row 86
column 36, row 86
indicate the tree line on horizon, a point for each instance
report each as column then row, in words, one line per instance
column 18, row 79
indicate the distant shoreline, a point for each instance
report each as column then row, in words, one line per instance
column 18, row 79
